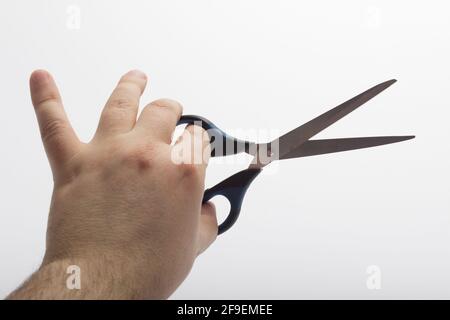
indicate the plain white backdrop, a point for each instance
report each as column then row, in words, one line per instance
column 311, row 229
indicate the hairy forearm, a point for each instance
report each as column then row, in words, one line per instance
column 79, row 279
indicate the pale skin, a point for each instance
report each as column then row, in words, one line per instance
column 125, row 213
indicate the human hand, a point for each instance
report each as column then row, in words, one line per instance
column 121, row 209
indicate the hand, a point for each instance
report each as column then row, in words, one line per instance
column 121, row 210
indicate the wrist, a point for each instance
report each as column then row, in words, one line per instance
column 81, row 278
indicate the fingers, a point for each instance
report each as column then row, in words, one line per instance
column 208, row 227
column 60, row 141
column 119, row 114
column 159, row 119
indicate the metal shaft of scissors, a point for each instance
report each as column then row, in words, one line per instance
column 286, row 145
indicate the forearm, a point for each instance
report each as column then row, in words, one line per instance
column 78, row 279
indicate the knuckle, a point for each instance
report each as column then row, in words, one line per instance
column 121, row 103
column 117, row 109
column 141, row 157
column 53, row 129
column 172, row 105
column 110, row 116
column 189, row 171
column 131, row 84
column 51, row 97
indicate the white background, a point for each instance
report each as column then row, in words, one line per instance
column 311, row 229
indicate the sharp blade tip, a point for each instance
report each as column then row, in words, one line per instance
column 404, row 138
column 389, row 82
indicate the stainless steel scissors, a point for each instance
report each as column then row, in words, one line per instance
column 294, row 144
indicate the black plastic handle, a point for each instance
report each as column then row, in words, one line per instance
column 234, row 189
column 222, row 144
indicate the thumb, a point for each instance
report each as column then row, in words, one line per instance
column 208, row 227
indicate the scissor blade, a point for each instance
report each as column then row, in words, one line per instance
column 300, row 135
column 316, row 147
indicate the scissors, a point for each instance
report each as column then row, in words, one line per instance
column 294, row 144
